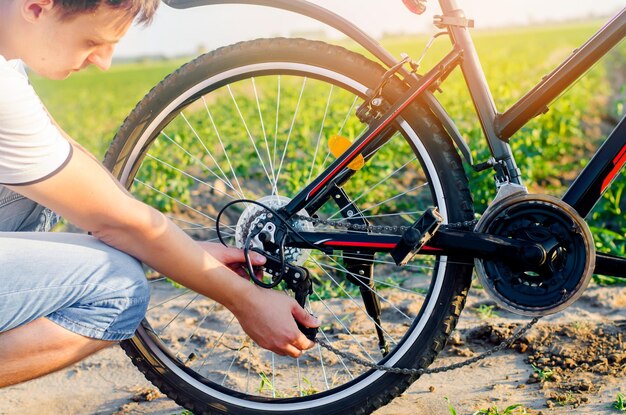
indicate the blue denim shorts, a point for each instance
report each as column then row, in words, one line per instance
column 74, row 280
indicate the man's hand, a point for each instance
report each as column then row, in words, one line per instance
column 269, row 318
column 233, row 258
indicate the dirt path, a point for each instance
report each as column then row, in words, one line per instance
column 583, row 346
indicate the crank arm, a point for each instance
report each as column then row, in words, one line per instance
column 610, row 265
column 444, row 242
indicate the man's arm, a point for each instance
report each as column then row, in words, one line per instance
column 87, row 195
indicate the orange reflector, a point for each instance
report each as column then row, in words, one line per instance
column 338, row 145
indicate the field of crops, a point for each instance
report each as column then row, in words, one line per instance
column 551, row 149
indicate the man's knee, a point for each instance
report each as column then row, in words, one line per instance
column 117, row 304
column 133, row 298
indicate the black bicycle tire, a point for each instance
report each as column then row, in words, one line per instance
column 439, row 147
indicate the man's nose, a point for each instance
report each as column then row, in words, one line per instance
column 102, row 58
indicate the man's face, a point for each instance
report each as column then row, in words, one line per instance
column 59, row 47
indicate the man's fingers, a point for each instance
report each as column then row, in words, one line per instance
column 236, row 255
column 257, row 259
column 303, row 317
column 292, row 351
column 303, row 343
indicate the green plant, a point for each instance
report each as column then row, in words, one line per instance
column 486, row 311
column 309, row 389
column 545, row 374
column 516, row 409
column 450, row 407
column 620, row 403
column 566, row 399
column 266, row 384
column 326, row 288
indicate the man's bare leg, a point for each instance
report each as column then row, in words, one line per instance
column 41, row 347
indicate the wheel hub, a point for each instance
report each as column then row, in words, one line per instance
column 255, row 215
column 570, row 255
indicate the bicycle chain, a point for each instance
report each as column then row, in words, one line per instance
column 468, row 224
column 441, row 369
column 390, row 230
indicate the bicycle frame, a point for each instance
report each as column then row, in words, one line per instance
column 498, row 128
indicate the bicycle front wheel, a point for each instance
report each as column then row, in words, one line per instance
column 254, row 121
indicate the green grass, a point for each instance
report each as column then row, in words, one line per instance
column 545, row 374
column 450, row 407
column 516, row 409
column 620, row 403
column 486, row 311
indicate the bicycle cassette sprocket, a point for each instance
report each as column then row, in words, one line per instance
column 570, row 255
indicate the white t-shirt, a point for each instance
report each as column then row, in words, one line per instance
column 31, row 147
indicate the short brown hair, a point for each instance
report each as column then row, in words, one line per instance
column 143, row 10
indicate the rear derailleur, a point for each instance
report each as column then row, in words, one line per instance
column 296, row 278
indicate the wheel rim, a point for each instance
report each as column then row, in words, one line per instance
column 174, row 151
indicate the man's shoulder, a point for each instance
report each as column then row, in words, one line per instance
column 12, row 74
column 14, row 84
column 13, row 66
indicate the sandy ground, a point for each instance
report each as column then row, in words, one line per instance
column 583, row 345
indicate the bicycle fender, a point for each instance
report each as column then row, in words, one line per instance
column 348, row 28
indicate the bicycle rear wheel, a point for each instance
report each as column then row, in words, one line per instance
column 253, row 121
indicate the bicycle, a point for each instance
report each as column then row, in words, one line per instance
column 377, row 234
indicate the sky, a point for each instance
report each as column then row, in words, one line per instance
column 184, row 32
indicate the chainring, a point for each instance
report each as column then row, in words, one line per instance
column 570, row 258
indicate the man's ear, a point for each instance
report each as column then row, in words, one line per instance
column 33, row 10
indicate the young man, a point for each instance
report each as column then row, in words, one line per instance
column 64, row 296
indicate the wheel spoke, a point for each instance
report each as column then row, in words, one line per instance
column 276, row 130
column 197, row 225
column 219, row 138
column 200, row 162
column 351, row 298
column 267, row 146
column 183, row 204
column 232, row 362
column 348, row 115
column 319, row 135
column 273, row 376
column 343, row 269
column 206, row 315
column 394, row 197
column 157, row 280
column 178, row 314
column 369, row 189
column 194, row 178
column 299, row 376
column 217, row 341
column 207, row 150
column 379, row 261
column 245, row 125
column 249, row 366
column 187, row 291
column 336, row 317
column 293, row 122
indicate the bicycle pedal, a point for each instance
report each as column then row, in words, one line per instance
column 414, row 238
